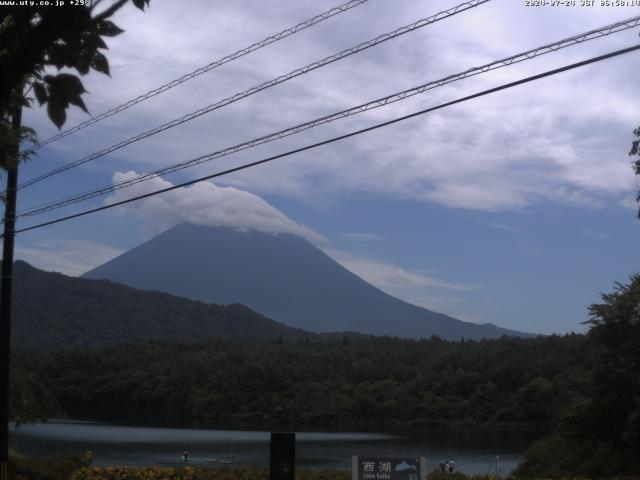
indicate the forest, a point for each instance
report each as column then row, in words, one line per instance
column 380, row 382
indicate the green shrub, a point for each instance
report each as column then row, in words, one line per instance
column 53, row 468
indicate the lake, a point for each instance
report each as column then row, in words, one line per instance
column 473, row 452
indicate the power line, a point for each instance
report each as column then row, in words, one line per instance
column 338, row 138
column 199, row 71
column 528, row 55
column 263, row 86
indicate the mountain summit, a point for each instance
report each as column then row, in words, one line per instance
column 281, row 276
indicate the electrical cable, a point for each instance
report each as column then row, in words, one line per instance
column 199, row 71
column 527, row 55
column 337, row 138
column 263, row 86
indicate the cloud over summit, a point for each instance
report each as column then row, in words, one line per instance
column 205, row 204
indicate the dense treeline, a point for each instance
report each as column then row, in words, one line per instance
column 376, row 382
column 29, row 400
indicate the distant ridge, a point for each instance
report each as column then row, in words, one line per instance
column 281, row 276
column 52, row 311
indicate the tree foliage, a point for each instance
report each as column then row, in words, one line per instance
column 29, row 400
column 635, row 152
column 35, row 42
column 380, row 382
column 600, row 436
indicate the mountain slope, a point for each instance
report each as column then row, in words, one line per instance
column 282, row 276
column 51, row 310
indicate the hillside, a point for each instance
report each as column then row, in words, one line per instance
column 281, row 276
column 51, row 310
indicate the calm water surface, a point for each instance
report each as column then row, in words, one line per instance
column 473, row 452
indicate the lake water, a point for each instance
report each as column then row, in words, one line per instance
column 473, row 452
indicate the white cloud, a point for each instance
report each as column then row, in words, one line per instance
column 563, row 140
column 364, row 236
column 205, row 203
column 418, row 287
column 387, row 276
column 71, row 257
column 477, row 196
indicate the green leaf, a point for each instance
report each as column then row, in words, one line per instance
column 68, row 84
column 140, row 3
column 100, row 63
column 98, row 42
column 64, row 89
column 78, row 102
column 83, row 62
column 49, row 79
column 93, row 41
column 107, row 28
column 62, row 56
column 56, row 111
column 41, row 92
column 82, row 67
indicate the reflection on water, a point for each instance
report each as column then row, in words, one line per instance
column 118, row 445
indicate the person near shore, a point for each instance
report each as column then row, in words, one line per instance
column 185, row 456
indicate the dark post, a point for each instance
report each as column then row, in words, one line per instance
column 283, row 456
column 5, row 298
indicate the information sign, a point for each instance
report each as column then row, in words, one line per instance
column 388, row 468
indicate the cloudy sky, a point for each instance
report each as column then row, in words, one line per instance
column 516, row 208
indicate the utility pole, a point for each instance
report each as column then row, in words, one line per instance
column 5, row 293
